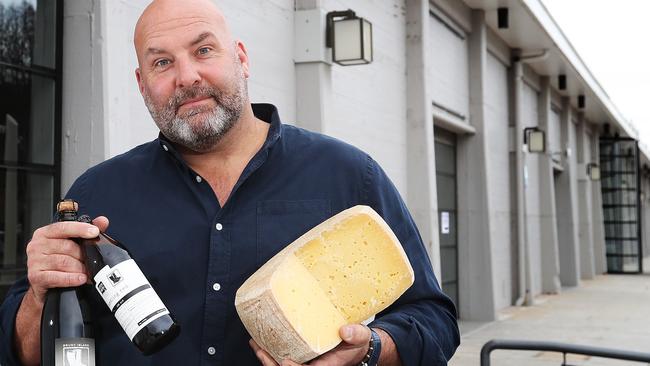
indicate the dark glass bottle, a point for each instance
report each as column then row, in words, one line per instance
column 128, row 294
column 66, row 328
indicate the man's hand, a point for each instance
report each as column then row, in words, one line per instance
column 350, row 352
column 53, row 260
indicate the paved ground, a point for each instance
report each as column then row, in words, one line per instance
column 610, row 311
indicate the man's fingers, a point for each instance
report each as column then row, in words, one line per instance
column 289, row 363
column 355, row 334
column 61, row 263
column 53, row 279
column 55, row 246
column 101, row 222
column 261, row 354
column 68, row 229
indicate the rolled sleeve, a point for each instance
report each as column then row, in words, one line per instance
column 422, row 322
column 8, row 312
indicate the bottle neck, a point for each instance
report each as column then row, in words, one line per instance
column 67, row 216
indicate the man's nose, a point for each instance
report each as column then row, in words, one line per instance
column 187, row 74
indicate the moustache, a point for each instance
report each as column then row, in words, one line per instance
column 182, row 96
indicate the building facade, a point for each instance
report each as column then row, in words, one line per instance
column 443, row 108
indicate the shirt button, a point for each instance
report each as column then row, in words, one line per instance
column 198, row 179
column 218, row 226
column 165, row 147
column 211, row 351
column 216, row 287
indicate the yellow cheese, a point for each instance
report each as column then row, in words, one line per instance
column 343, row 271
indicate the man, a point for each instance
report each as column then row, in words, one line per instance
column 224, row 187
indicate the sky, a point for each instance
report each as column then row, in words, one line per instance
column 613, row 38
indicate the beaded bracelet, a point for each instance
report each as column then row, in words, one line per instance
column 374, row 350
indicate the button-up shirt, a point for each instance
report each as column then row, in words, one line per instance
column 196, row 253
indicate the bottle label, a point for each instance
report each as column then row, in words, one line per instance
column 129, row 296
column 74, row 352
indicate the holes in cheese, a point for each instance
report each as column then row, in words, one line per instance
column 359, row 278
column 343, row 271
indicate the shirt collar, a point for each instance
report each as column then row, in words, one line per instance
column 264, row 111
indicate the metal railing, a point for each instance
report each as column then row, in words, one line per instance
column 562, row 348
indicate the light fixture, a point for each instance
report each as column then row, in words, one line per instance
column 349, row 37
column 535, row 139
column 593, row 171
column 561, row 81
column 502, row 18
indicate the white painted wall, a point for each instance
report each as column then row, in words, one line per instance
column 369, row 102
column 496, row 120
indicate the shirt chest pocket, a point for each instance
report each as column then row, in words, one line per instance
column 281, row 222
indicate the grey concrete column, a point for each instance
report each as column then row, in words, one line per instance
column 421, row 179
column 567, row 211
column 524, row 277
column 548, row 226
column 585, row 212
column 312, row 66
column 84, row 85
column 314, row 91
column 600, row 259
column 476, row 289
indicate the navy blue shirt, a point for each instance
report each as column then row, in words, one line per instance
column 196, row 253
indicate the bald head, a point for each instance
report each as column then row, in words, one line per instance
column 176, row 15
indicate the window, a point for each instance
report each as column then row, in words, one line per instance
column 30, row 125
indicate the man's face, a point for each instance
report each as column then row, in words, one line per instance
column 192, row 78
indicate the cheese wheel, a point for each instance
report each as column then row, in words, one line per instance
column 343, row 271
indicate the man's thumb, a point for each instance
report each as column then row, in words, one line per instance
column 101, row 222
column 355, row 334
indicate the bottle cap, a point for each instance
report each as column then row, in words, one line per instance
column 67, row 205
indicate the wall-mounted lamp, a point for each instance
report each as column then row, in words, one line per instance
column 561, row 82
column 593, row 171
column 503, row 18
column 535, row 139
column 349, row 37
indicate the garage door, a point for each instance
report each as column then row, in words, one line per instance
column 449, row 71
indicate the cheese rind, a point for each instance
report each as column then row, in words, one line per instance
column 343, row 271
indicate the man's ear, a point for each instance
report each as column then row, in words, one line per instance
column 138, row 77
column 242, row 55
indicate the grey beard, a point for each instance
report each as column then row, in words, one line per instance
column 200, row 136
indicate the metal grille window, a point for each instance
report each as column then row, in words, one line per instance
column 619, row 161
column 30, row 120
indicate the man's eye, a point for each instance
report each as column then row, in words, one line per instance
column 161, row 63
column 203, row 50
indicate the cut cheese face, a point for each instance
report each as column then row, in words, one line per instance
column 343, row 271
column 306, row 306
